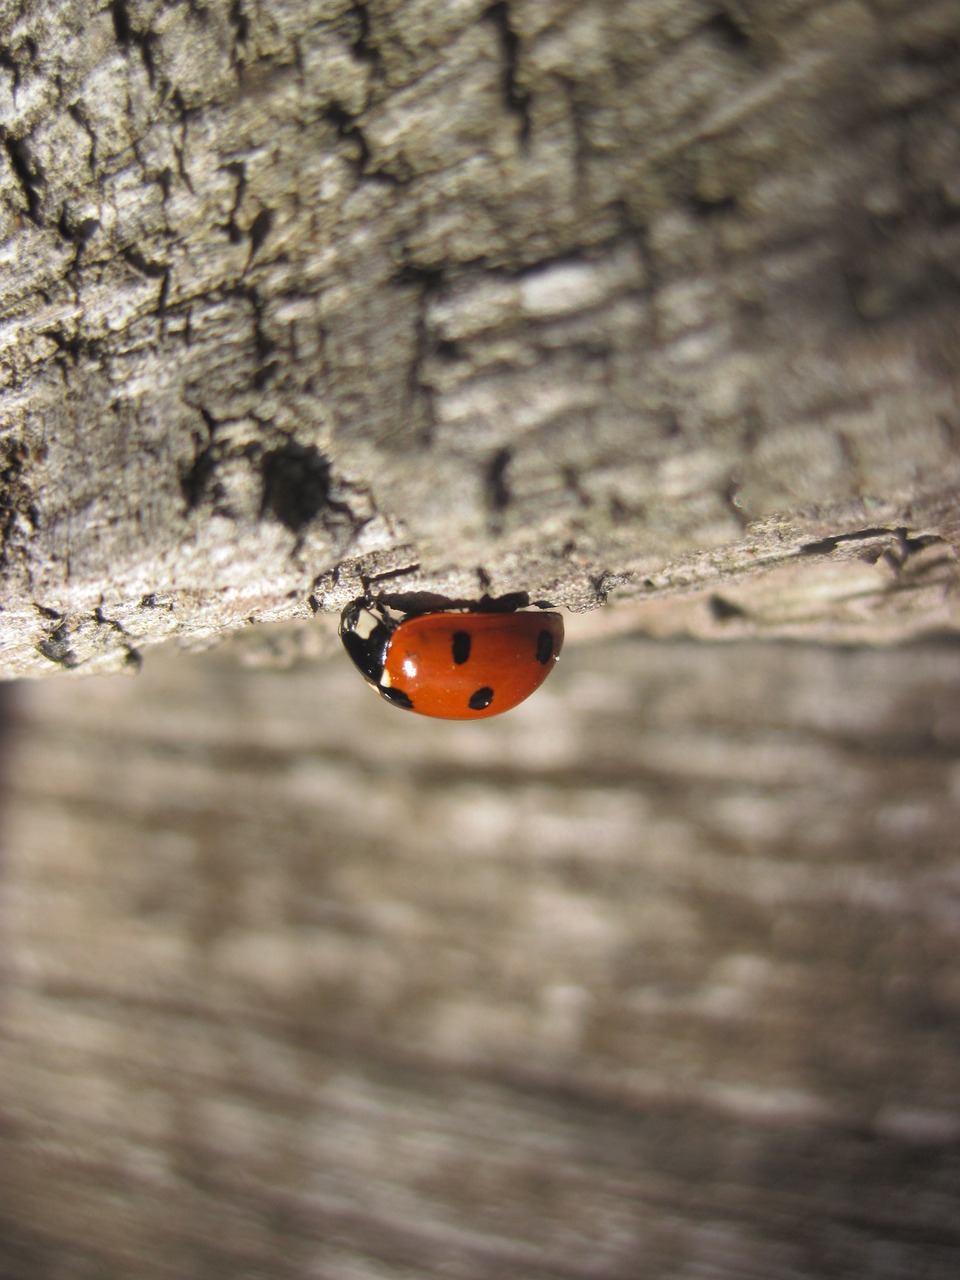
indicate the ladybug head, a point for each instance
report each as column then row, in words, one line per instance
column 365, row 634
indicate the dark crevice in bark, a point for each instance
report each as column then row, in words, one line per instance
column 260, row 228
column 28, row 172
column 197, row 475
column 56, row 647
column 74, row 345
column 730, row 29
column 498, row 491
column 237, row 170
column 515, row 96
column 364, row 46
column 128, row 36
column 348, row 131
column 153, row 270
column 240, row 22
column 79, row 116
column 909, row 545
column 78, row 233
column 296, row 484
column 133, row 656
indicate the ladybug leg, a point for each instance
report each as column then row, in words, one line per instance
column 351, row 614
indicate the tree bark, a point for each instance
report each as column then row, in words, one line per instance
column 614, row 301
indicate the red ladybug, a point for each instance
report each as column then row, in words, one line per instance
column 455, row 666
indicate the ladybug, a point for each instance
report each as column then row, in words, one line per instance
column 452, row 665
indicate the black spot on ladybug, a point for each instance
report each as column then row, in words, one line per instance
column 544, row 647
column 480, row 700
column 398, row 698
column 461, row 647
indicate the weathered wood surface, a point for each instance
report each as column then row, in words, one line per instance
column 594, row 300
column 647, row 301
column 654, row 977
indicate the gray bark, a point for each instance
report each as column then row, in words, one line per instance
column 593, row 301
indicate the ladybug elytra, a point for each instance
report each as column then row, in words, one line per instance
column 452, row 665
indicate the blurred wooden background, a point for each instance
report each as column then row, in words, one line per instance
column 655, row 976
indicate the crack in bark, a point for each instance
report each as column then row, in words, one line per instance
column 76, row 113
column 161, row 271
column 73, row 345
column 825, row 546
column 129, row 37
column 9, row 61
column 56, row 647
column 263, row 345
column 497, row 489
column 77, row 233
column 363, row 46
column 133, row 657
column 184, row 113
column 195, row 477
column 258, row 231
column 348, row 130
column 237, row 170
column 517, row 99
column 28, row 172
column 241, row 26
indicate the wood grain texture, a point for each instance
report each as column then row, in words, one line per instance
column 654, row 977
column 592, row 301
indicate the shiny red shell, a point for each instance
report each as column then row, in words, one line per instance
column 467, row 666
column 454, row 666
